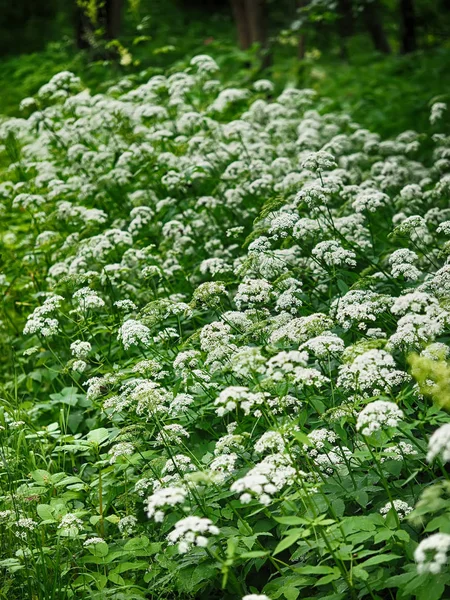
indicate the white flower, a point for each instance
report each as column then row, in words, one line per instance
column 134, row 333
column 271, row 440
column 80, row 349
column 431, row 554
column 333, row 254
column 377, row 414
column 439, row 444
column 402, row 509
column 79, row 366
column 70, row 524
column 265, row 479
column 371, row 373
column 370, row 200
column 318, row 161
column 121, row 449
column 192, row 531
column 254, row 291
column 236, row 396
column 127, row 525
column 437, row 112
column 85, row 298
column 93, row 540
column 163, row 498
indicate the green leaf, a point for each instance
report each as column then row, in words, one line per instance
column 378, row 560
column 116, row 578
column 360, row 573
column 291, row 593
column 362, row 498
column 130, row 566
column 98, row 436
column 329, row 578
column 400, row 580
column 338, row 507
column 287, row 542
column 45, row 512
column 41, row 477
column 291, row 520
column 100, row 549
column 315, row 570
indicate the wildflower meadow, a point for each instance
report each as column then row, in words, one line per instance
column 224, row 335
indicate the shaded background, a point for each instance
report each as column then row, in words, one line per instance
column 384, row 61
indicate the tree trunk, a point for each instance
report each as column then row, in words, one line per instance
column 82, row 26
column 375, row 27
column 345, row 24
column 250, row 17
column 257, row 24
column 301, row 48
column 408, row 26
column 239, row 10
column 113, row 18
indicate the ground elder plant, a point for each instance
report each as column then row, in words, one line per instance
column 225, row 328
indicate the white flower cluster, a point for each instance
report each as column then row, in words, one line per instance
column 234, row 397
column 134, row 333
column 378, row 414
column 432, row 553
column 403, row 509
column 371, row 373
column 192, row 531
column 162, row 499
column 439, row 444
column 40, row 320
column 252, row 281
column 265, row 479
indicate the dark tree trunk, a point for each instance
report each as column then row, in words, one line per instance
column 82, row 26
column 113, row 18
column 251, row 23
column 375, row 27
column 408, row 26
column 345, row 24
column 301, row 48
column 239, row 11
column 257, row 22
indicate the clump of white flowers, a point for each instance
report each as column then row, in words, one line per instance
column 192, row 531
column 403, row 509
column 163, row 499
column 437, row 112
column 80, row 349
column 378, row 414
column 439, row 444
column 371, row 373
column 265, row 479
column 432, row 553
column 134, row 333
column 70, row 525
column 40, row 321
column 119, row 450
column 244, row 277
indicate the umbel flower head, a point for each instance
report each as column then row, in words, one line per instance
column 192, row 531
column 162, row 499
column 134, row 333
column 378, row 414
column 439, row 444
column 431, row 554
